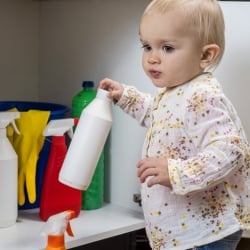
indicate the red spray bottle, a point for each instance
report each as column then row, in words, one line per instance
column 57, row 197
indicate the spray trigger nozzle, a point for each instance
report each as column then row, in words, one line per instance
column 59, row 223
column 59, row 127
column 15, row 127
column 8, row 117
column 55, row 228
column 69, row 230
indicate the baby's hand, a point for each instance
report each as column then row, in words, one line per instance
column 115, row 88
column 155, row 167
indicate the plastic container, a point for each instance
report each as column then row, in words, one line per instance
column 57, row 197
column 87, row 143
column 83, row 98
column 92, row 198
column 55, row 229
column 8, row 172
column 57, row 111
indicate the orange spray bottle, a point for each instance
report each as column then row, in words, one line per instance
column 55, row 228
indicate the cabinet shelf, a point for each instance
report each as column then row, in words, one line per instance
column 90, row 226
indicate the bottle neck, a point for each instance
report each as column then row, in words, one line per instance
column 56, row 242
column 103, row 95
column 88, row 88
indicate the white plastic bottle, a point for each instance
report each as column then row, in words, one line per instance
column 87, row 143
column 8, row 172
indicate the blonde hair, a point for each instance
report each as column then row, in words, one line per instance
column 205, row 16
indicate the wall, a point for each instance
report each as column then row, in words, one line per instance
column 234, row 69
column 19, row 49
column 86, row 40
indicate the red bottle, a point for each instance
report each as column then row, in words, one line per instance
column 55, row 196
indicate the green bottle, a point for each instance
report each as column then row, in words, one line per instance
column 92, row 198
column 83, row 98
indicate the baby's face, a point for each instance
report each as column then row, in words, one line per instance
column 172, row 53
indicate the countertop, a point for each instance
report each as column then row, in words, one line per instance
column 89, row 226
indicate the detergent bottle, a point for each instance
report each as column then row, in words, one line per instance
column 55, row 228
column 8, row 172
column 55, row 196
column 92, row 197
column 87, row 143
column 83, row 98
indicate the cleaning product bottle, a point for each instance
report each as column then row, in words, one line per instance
column 92, row 197
column 55, row 228
column 83, row 98
column 55, row 196
column 8, row 172
column 87, row 143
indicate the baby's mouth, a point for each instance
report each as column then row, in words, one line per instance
column 155, row 73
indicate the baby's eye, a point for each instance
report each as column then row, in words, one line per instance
column 146, row 47
column 168, row 48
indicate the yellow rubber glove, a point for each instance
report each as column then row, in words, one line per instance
column 28, row 146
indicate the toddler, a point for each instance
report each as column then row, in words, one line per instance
column 194, row 171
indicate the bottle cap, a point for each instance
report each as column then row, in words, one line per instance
column 87, row 84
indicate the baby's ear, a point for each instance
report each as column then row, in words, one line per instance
column 209, row 54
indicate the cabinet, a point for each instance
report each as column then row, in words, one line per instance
column 135, row 240
column 121, row 242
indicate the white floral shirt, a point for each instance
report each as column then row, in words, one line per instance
column 196, row 129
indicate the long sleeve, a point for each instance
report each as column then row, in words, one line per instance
column 136, row 104
column 215, row 131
